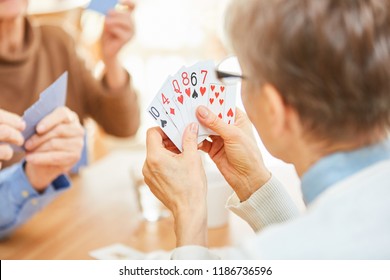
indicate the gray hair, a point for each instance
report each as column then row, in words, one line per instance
column 329, row 59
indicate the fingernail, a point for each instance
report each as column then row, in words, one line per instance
column 23, row 125
column 28, row 144
column 194, row 128
column 41, row 128
column 203, row 112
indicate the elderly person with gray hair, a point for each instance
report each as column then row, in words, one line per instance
column 317, row 90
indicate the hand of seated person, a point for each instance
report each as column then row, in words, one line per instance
column 178, row 179
column 55, row 148
column 235, row 152
column 179, row 182
column 118, row 30
column 11, row 126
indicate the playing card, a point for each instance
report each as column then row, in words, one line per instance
column 120, row 251
column 216, row 101
column 183, row 82
column 181, row 95
column 202, row 75
column 161, row 117
column 229, row 114
column 166, row 98
column 184, row 92
column 49, row 100
column 102, row 6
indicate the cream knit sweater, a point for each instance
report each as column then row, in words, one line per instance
column 351, row 220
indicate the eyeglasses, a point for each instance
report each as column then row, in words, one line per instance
column 228, row 71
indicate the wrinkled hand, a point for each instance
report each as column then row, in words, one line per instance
column 179, row 182
column 235, row 152
column 118, row 30
column 55, row 148
column 11, row 126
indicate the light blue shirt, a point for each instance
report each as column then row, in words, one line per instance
column 338, row 166
column 19, row 201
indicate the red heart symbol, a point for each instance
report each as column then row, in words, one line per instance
column 180, row 99
column 221, row 101
column 212, row 87
column 230, row 113
column 202, row 90
column 188, row 92
column 211, row 100
column 216, row 94
column 220, row 116
column 222, row 88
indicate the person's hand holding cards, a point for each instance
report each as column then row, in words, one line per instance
column 174, row 107
column 53, row 136
column 119, row 29
column 55, row 148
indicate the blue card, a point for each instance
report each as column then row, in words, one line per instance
column 102, row 6
column 49, row 100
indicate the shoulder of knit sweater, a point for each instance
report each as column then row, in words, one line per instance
column 56, row 35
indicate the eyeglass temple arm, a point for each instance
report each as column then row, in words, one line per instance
column 221, row 75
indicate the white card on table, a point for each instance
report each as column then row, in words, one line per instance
column 120, row 251
column 117, row 252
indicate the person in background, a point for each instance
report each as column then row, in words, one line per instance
column 316, row 87
column 32, row 57
column 29, row 185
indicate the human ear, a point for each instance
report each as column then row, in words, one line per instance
column 275, row 110
column 283, row 118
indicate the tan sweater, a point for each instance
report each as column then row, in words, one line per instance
column 50, row 51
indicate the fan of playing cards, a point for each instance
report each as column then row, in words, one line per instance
column 175, row 104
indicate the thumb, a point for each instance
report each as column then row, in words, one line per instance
column 207, row 118
column 190, row 138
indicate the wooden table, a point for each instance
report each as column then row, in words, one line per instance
column 99, row 210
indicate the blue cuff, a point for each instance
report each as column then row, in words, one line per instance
column 61, row 182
